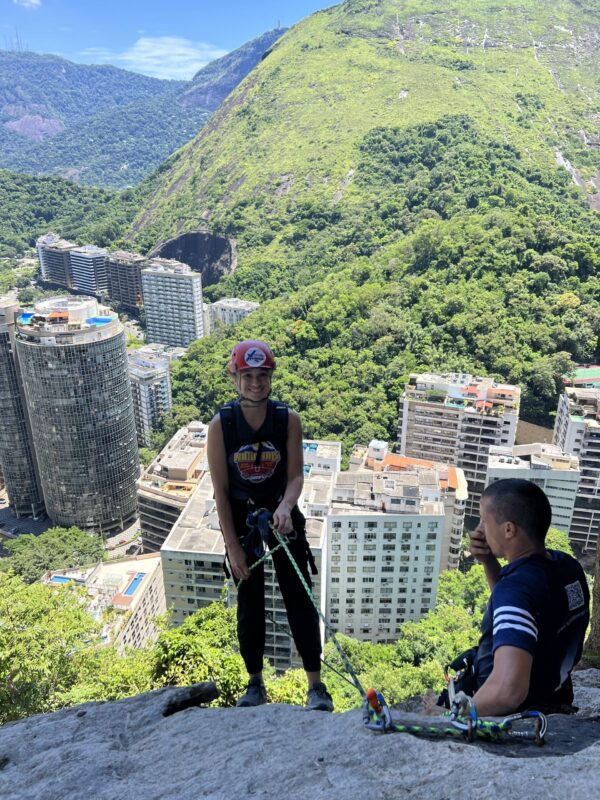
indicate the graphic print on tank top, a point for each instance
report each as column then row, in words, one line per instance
column 256, row 462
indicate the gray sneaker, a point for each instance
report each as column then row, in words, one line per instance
column 318, row 698
column 256, row 694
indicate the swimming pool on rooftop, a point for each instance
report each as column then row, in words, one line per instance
column 134, row 583
column 98, row 320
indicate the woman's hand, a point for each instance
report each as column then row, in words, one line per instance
column 282, row 518
column 238, row 562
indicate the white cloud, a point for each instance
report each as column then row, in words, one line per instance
column 28, row 3
column 159, row 56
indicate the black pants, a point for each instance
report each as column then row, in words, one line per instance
column 302, row 615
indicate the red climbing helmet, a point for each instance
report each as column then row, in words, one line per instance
column 250, row 354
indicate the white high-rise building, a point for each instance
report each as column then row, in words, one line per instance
column 150, row 388
column 229, row 311
column 393, row 525
column 54, row 255
column 577, row 431
column 455, row 418
column 545, row 465
column 172, row 302
column 89, row 269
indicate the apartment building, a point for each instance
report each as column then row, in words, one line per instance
column 167, row 485
column 192, row 559
column 17, row 453
column 150, row 388
column 54, row 255
column 72, row 361
column 89, row 270
column 445, row 482
column 173, row 302
column 577, row 431
column 124, row 271
column 454, row 418
column 547, row 466
column 321, row 457
column 133, row 587
column 229, row 311
column 393, row 525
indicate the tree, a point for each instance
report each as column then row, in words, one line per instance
column 147, row 456
column 41, row 629
column 203, row 648
column 57, row 548
column 592, row 645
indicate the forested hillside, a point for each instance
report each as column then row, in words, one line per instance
column 101, row 125
column 409, row 187
column 32, row 206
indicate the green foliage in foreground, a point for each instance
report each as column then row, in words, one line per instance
column 57, row 548
column 41, row 630
column 74, row 667
column 51, row 657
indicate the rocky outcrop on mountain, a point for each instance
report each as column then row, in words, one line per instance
column 161, row 745
column 211, row 255
column 211, row 85
column 35, row 127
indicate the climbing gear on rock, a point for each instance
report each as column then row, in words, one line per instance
column 318, row 698
column 377, row 717
column 255, row 695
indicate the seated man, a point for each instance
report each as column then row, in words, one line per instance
column 534, row 626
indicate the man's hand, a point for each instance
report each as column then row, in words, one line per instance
column 237, row 562
column 282, row 520
column 461, row 705
column 478, row 546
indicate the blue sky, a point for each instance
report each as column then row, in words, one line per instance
column 161, row 38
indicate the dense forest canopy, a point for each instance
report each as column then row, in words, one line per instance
column 466, row 257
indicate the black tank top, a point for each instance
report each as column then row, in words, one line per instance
column 256, row 460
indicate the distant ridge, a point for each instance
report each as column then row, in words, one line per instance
column 104, row 125
column 211, row 85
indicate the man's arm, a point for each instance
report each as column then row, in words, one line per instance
column 508, row 684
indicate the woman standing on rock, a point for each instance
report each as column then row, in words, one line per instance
column 255, row 460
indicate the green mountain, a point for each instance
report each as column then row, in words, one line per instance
column 412, row 186
column 102, row 125
column 527, row 74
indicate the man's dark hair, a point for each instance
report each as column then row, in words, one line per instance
column 522, row 503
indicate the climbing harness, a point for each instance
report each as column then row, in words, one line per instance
column 376, row 713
